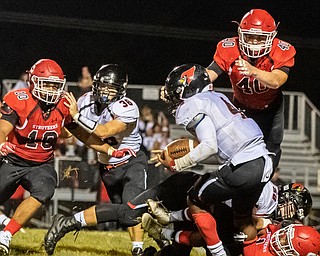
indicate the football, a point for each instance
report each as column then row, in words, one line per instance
column 180, row 147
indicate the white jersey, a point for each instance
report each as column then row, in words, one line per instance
column 238, row 139
column 125, row 110
column 268, row 201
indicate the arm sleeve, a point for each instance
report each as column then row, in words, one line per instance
column 216, row 68
column 9, row 114
column 206, row 134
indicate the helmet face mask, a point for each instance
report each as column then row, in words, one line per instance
column 46, row 81
column 294, row 202
column 104, row 93
column 183, row 82
column 109, row 84
column 256, row 31
column 296, row 240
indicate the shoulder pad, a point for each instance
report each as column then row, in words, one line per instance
column 125, row 107
column 195, row 121
column 18, row 100
column 282, row 53
column 226, row 53
column 85, row 100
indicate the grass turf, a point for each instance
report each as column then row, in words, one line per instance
column 87, row 243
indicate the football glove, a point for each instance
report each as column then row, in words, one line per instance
column 119, row 153
column 6, row 148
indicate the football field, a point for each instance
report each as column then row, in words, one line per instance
column 93, row 243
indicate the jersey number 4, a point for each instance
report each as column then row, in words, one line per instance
column 249, row 86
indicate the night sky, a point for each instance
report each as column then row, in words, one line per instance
column 148, row 58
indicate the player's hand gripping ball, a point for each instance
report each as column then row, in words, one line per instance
column 174, row 150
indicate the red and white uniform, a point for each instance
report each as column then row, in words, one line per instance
column 247, row 90
column 261, row 247
column 35, row 132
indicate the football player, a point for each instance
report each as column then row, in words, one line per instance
column 248, row 165
column 282, row 240
column 221, row 129
column 113, row 117
column 258, row 64
column 292, row 202
column 31, row 121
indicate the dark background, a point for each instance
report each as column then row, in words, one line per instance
column 59, row 34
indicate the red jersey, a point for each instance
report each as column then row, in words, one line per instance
column 261, row 247
column 247, row 90
column 35, row 132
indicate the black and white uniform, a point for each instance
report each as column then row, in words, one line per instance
column 126, row 177
column 221, row 128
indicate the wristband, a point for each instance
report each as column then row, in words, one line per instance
column 110, row 151
column 184, row 162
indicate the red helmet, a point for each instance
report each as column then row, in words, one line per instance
column 46, row 81
column 296, row 239
column 256, row 30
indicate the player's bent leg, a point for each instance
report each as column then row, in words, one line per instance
column 121, row 213
column 159, row 212
column 136, row 234
column 153, row 228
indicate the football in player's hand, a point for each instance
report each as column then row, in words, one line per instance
column 180, row 147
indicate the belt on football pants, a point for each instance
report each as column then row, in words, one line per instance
column 113, row 166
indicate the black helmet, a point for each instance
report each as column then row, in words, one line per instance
column 109, row 76
column 294, row 202
column 183, row 82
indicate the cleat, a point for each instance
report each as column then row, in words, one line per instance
column 154, row 229
column 150, row 251
column 5, row 238
column 137, row 251
column 159, row 212
column 60, row 226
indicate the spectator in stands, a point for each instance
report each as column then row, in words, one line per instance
column 85, row 80
column 258, row 64
column 161, row 136
column 22, row 82
column 148, row 141
column 146, row 121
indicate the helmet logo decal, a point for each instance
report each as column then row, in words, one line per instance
column 297, row 186
column 107, row 79
column 188, row 75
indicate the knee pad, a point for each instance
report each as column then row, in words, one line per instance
column 44, row 197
